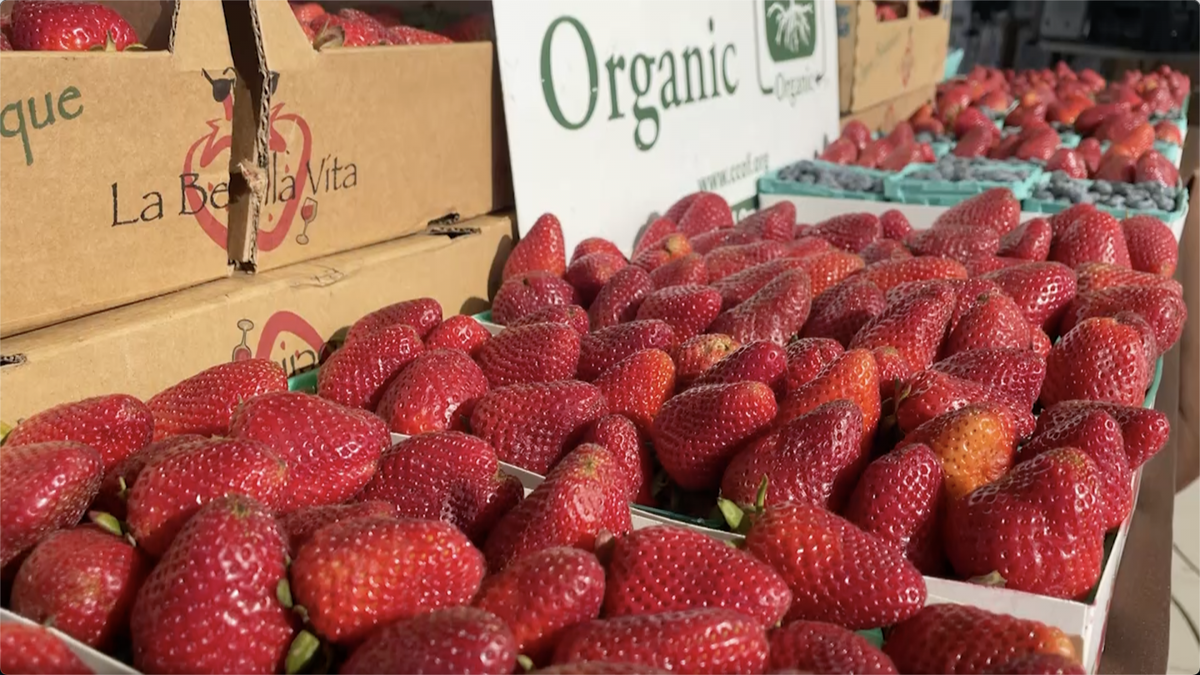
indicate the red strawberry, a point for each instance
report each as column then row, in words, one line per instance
column 829, row 267
column 1042, row 290
column 69, row 27
column 894, row 224
column 1038, row 527
column 1116, row 168
column 1029, row 241
column 1090, row 119
column 900, row 498
column 46, row 487
column 84, row 581
column 534, row 425
column 708, row 640
column 840, row 151
column 816, row 647
column 34, row 649
column 1089, row 150
column 1136, row 143
column 356, row 575
column 683, row 271
column 201, row 587
column 688, row 310
column 1040, row 146
column 540, row 352
column 997, row 209
column 595, row 245
column 902, row 156
column 603, row 348
column 1153, row 167
column 850, row 231
column 619, row 300
column 807, row 357
column 348, row 28
column 1100, row 359
column 706, row 212
column 842, row 310
column 114, row 487
column 1168, row 132
column 952, row 638
column 1144, row 432
column 597, row 668
column 704, row 243
column 805, row 245
column 884, row 249
column 589, row 273
column 1070, row 162
column 873, row 153
column 204, row 403
column 774, row 222
column 915, row 326
column 358, row 374
column 1152, row 245
column 621, row 438
column 452, row 640
column 857, row 132
column 1041, row 663
column 1162, row 309
column 528, row 293
column 423, row 314
column 330, row 450
column 5, row 43
column 814, row 459
column 694, row 356
column 960, row 242
column 738, row 287
column 991, row 320
column 542, row 595
column 461, row 332
column 1015, row 374
column 853, row 376
column 776, row 312
column 433, row 393
column 974, row 443
column 931, row 393
column 116, row 426
column 581, row 498
column 300, row 525
column 731, row 259
column 566, row 315
column 837, row 572
column 638, row 385
column 541, row 249
column 979, row 266
column 891, row 273
column 653, row 234
column 407, row 35
column 670, row 247
column 971, row 118
column 758, row 361
column 976, row 141
column 667, row 569
column 1006, row 148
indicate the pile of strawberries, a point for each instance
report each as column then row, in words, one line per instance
column 855, row 397
column 41, row 25
column 891, row 10
column 892, row 152
column 383, row 25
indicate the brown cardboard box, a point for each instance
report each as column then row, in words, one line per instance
column 878, row 61
column 114, row 168
column 1188, row 423
column 286, row 315
column 884, row 116
column 354, row 146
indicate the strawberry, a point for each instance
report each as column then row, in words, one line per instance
column 738, row 287
column 1163, row 309
column 900, row 499
column 589, row 273
column 976, row 141
column 776, row 312
column 621, row 438
column 704, row 243
column 300, row 525
column 731, row 259
column 840, row 151
column 423, row 314
column 1116, row 168
column 816, row 647
column 852, row 376
column 540, row 352
column 903, row 155
column 1137, row 143
column 1089, row 150
column 116, row 426
column 1152, row 246
column 708, row 640
column 581, row 498
column 1014, row 374
column 541, row 249
column 683, row 271
column 1029, row 241
column 1039, row 526
column 1006, row 148
column 829, row 267
column 204, row 403
column 528, row 293
column 814, row 459
column 435, row 392
column 857, row 132
column 114, row 487
column 705, row 212
column 219, row 579
column 843, row 309
column 694, row 356
column 688, row 310
column 991, row 320
column 45, row 487
column 463, row 333
column 1153, row 167
column 915, row 326
column 951, row 638
column 979, row 266
column 34, row 649
column 891, row 273
column 69, row 27
column 605, row 347
column 997, row 209
column 619, row 300
column 974, row 443
column 773, row 223
column 668, row 569
column 653, row 233
column 1100, row 359
column 931, row 393
column 567, row 315
column 1166, row 131
column 884, row 249
column 758, row 361
column 407, row 35
column 669, row 248
column 534, row 425
column 358, row 374
column 1041, row 663
column 850, row 231
column 806, row 358
column 595, row 245
column 1119, row 127
column 5, row 43
column 971, row 118
column 960, row 242
column 894, row 225
column 1068, row 161
column 837, row 572
column 1144, row 431
column 805, row 245
column 348, row 28
column 1042, row 290
column 1040, row 343
column 873, row 153
column 452, row 640
column 356, row 575
column 1090, row 119
column 330, row 450
column 597, row 668
column 1039, row 147
column 638, row 385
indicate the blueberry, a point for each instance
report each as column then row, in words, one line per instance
column 1083, row 198
column 1102, row 187
column 1116, row 201
column 1166, row 203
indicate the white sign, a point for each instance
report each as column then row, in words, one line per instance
column 616, row 109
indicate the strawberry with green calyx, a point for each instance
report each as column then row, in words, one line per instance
column 45, row 487
column 540, row 249
column 70, row 26
column 452, row 640
column 816, row 647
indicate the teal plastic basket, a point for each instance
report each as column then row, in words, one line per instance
column 900, row 188
column 304, row 382
column 772, row 184
column 1054, row 206
column 1069, row 139
column 941, row 148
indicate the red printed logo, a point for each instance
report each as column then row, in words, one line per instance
column 204, row 154
column 285, row 338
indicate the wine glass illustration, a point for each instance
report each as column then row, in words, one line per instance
column 308, row 213
column 242, row 351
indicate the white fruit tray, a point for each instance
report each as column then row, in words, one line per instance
column 97, row 661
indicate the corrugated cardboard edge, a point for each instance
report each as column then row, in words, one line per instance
column 850, row 55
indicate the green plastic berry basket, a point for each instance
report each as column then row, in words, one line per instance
column 899, row 187
column 941, row 148
column 1069, row 139
column 772, row 184
column 1052, row 206
column 305, row 382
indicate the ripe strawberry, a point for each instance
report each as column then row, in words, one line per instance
column 997, row 209
column 915, row 326
column 694, row 356
column 541, row 249
column 34, row 649
column 358, row 374
column 884, row 249
column 731, row 259
column 116, row 426
column 463, row 333
column 581, row 498
column 837, row 572
column 971, row 118
column 976, row 141
column 1116, row 168
column 1014, row 374
column 46, row 487
column 852, row 376
column 653, row 233
column 894, row 225
column 977, row 267
column 1089, row 150
column 683, row 271
column 204, row 403
column 900, row 498
column 452, row 640
column 670, row 247
column 1028, row 241
column 1040, row 343
column 668, row 569
column 1090, row 119
column 814, row 459
column 1153, row 167
column 84, row 580
column 595, row 245
column 356, row 575
column 805, row 245
column 1039, row 526
column 638, row 385
column 773, row 223
column 597, row 668
column 705, row 212
column 991, row 320
column 840, row 151
column 330, row 450
column 688, row 310
column 407, row 35
column 423, row 314
column 1041, row 663
column 758, row 361
column 437, row 391
column 348, row 28
column 931, row 393
column 850, row 231
column 540, row 352
column 708, row 640
column 534, row 425
column 829, row 267
column 567, row 315
column 201, row 587
column 1068, row 161
column 902, row 156
column 857, row 133
column 704, row 243
column 1166, row 131
column 697, row 432
column 114, row 487
column 1007, row 147
column 621, row 438
column 873, row 153
column 603, row 348
column 806, row 358
column 589, row 273
column 1042, row 290
column 1137, row 143
column 1100, row 359
column 1144, row 431
column 69, row 27
column 816, row 647
column 528, row 293
column 891, row 273
column 843, row 309
column 776, row 312
column 1163, row 309
column 738, row 287
column 619, row 300
column 952, row 638
column 974, row 443
column 1152, row 246
column 960, row 242
column 300, row 525
column 5, row 43
column 1039, row 147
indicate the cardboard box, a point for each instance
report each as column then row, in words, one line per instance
column 285, row 315
column 878, row 61
column 355, row 146
column 884, row 116
column 1187, row 430
column 114, row 168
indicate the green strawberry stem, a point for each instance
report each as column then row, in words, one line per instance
column 283, row 591
column 992, row 579
column 525, row 662
column 735, row 514
column 301, row 653
column 106, row 521
column 4, row 429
